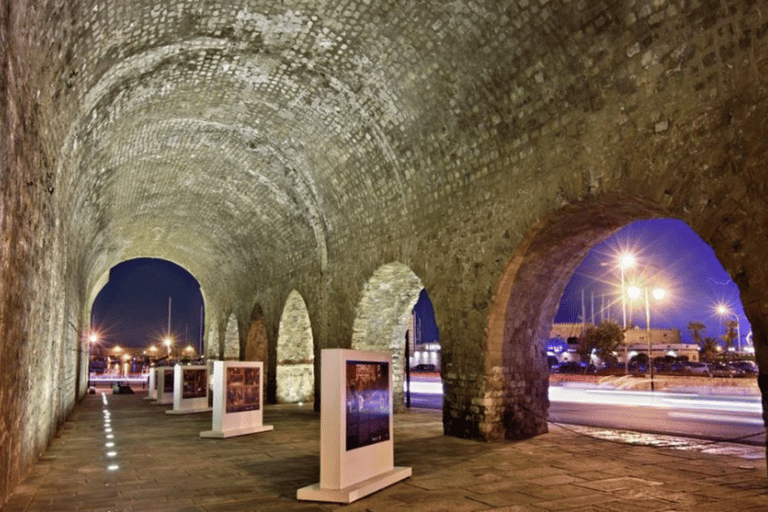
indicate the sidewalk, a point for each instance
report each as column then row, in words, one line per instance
column 165, row 466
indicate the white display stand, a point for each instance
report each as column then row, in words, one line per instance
column 356, row 445
column 152, row 385
column 190, row 390
column 238, row 395
column 164, row 393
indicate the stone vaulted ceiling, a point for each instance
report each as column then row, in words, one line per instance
column 231, row 137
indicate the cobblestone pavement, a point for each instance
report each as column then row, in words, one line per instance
column 163, row 465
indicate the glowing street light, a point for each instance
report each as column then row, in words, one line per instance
column 168, row 342
column 626, row 260
column 722, row 309
column 92, row 340
column 658, row 293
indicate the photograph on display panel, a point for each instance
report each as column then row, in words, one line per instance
column 195, row 383
column 168, row 382
column 367, row 403
column 243, row 391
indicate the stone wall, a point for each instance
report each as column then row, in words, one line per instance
column 300, row 145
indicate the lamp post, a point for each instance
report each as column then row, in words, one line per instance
column 658, row 293
column 168, row 342
column 92, row 339
column 723, row 310
column 626, row 261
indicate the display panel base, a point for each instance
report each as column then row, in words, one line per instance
column 236, row 432
column 356, row 491
column 188, row 411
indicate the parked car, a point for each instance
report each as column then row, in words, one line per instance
column 722, row 370
column 697, row 369
column 748, row 367
column 425, row 368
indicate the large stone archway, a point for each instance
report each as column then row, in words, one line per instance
column 383, row 318
column 295, row 353
column 525, row 303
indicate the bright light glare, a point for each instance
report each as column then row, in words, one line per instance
column 633, row 292
column 626, row 260
column 113, row 467
column 110, row 436
column 108, row 430
column 94, row 338
column 649, row 399
column 659, row 294
column 109, row 445
column 428, row 388
column 111, row 454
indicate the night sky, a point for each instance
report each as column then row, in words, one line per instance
column 676, row 259
column 425, row 315
column 132, row 308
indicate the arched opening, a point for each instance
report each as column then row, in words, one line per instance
column 150, row 311
column 524, row 306
column 528, row 297
column 231, row 349
column 384, row 317
column 295, row 353
column 652, row 309
column 666, row 256
column 425, row 387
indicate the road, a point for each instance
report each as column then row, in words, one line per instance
column 734, row 418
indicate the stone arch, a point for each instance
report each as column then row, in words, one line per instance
column 257, row 340
column 525, row 303
column 384, row 316
column 295, row 352
column 231, row 348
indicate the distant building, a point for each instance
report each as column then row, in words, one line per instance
column 564, row 341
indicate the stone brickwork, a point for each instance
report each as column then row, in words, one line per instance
column 266, row 146
column 384, row 316
column 295, row 353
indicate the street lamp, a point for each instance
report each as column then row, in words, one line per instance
column 723, row 310
column 625, row 261
column 658, row 294
column 168, row 342
column 92, row 339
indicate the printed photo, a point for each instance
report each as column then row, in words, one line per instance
column 168, row 382
column 195, row 383
column 243, row 389
column 367, row 407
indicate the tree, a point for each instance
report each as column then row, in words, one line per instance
column 708, row 349
column 696, row 328
column 730, row 334
column 603, row 339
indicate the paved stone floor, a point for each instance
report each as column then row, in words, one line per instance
column 165, row 466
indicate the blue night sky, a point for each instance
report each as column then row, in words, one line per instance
column 676, row 259
column 132, row 308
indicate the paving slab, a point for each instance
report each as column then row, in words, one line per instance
column 159, row 463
